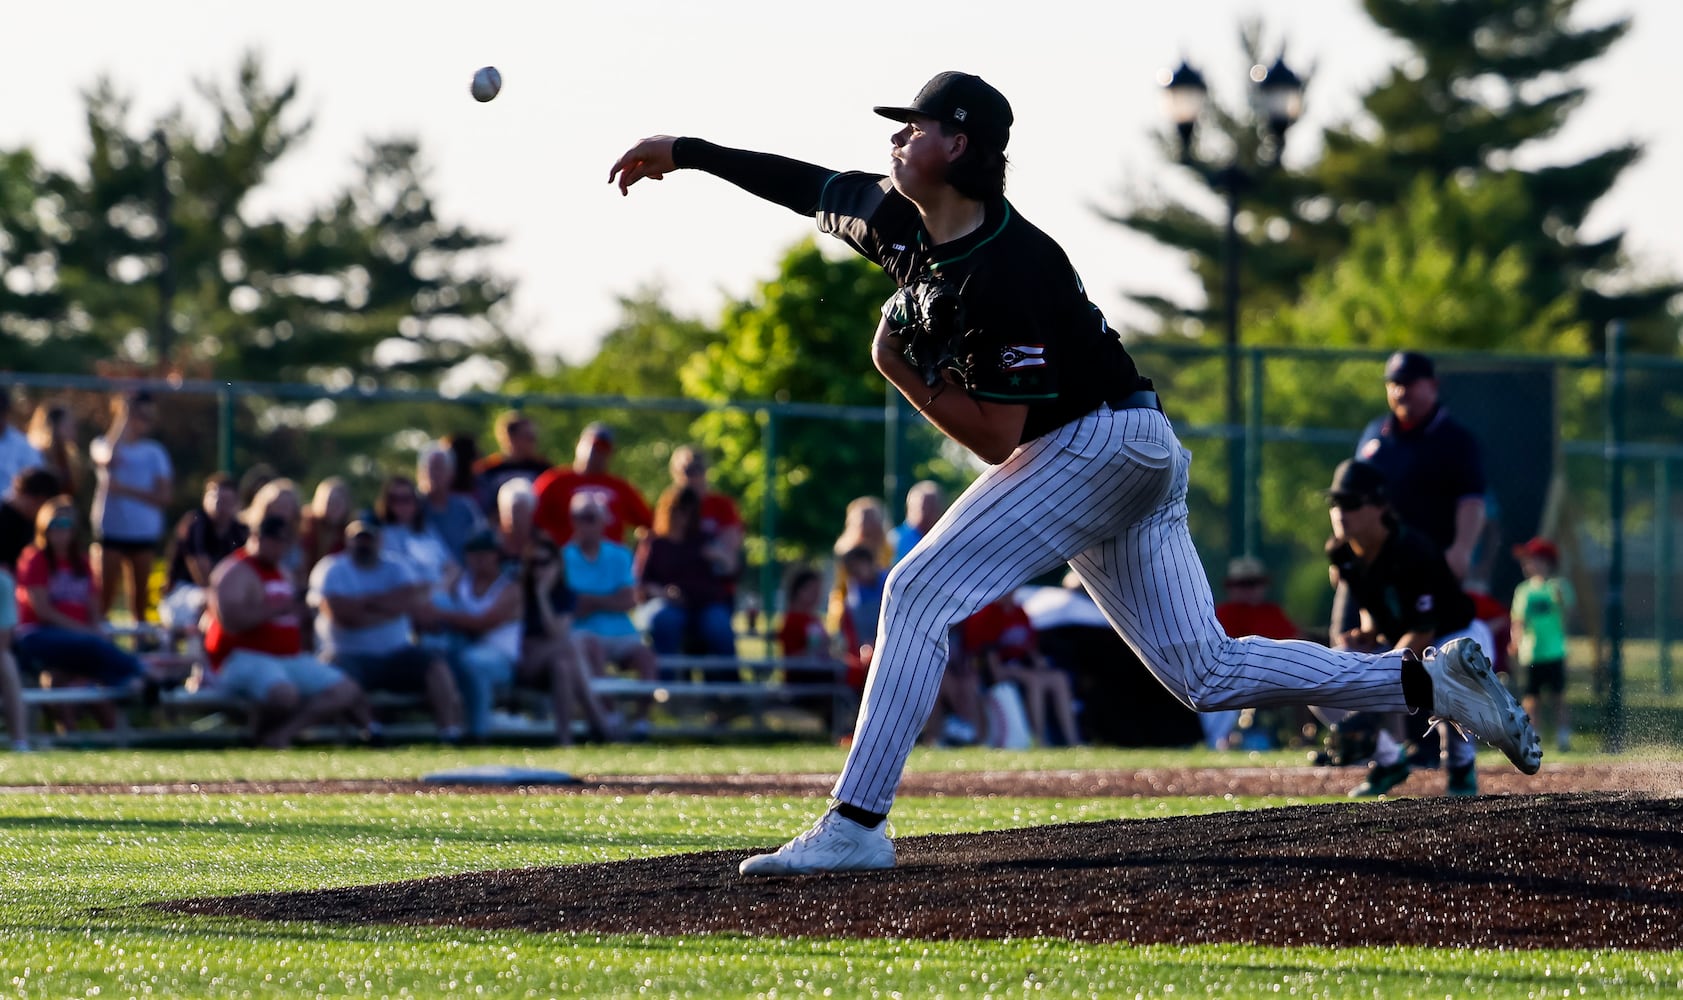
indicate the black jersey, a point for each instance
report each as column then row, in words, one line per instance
column 1407, row 588
column 1031, row 335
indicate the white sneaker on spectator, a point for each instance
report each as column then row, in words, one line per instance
column 833, row 844
column 1467, row 695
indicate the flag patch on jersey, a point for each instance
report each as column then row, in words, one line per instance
column 1022, row 356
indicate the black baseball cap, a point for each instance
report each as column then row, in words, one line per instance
column 1357, row 480
column 1407, row 366
column 963, row 100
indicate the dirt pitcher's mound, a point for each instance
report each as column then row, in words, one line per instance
column 1559, row 871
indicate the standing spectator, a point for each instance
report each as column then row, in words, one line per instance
column 52, row 432
column 866, row 524
column 604, row 584
column 690, row 600
column 1247, row 611
column 1430, row 461
column 59, row 614
column 406, row 536
column 136, row 484
column 589, row 474
column 364, row 600
column 1408, row 598
column 203, row 537
column 924, row 506
column 482, row 614
column 322, row 532
column 16, row 453
column 1541, row 603
column 256, row 648
column 517, row 436
column 452, row 517
column 1002, row 636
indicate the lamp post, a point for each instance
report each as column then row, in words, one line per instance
column 1277, row 99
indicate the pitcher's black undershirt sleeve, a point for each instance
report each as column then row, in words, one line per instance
column 791, row 183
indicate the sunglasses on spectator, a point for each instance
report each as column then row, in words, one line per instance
column 1348, row 501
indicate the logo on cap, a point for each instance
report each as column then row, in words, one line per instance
column 958, row 114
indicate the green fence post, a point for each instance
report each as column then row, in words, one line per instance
column 893, row 447
column 1253, row 459
column 1615, row 609
column 225, row 428
column 768, row 522
column 1662, row 569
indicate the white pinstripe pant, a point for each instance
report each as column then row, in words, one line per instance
column 1107, row 494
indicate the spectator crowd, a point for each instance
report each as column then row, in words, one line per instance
column 481, row 576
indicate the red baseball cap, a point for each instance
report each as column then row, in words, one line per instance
column 1539, row 548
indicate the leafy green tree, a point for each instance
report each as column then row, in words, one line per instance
column 803, row 337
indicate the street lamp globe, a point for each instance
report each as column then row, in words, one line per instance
column 1281, row 91
column 1185, row 93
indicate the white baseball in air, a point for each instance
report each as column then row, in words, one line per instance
column 486, row 82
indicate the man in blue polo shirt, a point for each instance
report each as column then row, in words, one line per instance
column 1430, row 460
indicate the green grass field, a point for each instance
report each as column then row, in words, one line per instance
column 78, row 866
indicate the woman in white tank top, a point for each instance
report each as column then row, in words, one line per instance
column 484, row 615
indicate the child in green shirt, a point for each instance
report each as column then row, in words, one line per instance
column 1541, row 604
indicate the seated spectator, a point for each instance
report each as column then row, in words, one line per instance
column 604, row 588
column 53, row 433
column 59, row 614
column 253, row 479
column 803, row 636
column 862, row 585
column 29, row 489
column 322, row 532
column 16, row 453
column 450, row 516
column 136, row 483
column 515, row 531
column 550, row 658
column 866, row 525
column 481, row 616
column 689, row 602
column 256, row 649
column 364, row 599
column 406, row 536
column 517, row 437
column 279, row 496
column 589, row 473
column 1002, row 636
column 464, row 482
column 721, row 522
column 1246, row 611
column 203, row 537
column 924, row 506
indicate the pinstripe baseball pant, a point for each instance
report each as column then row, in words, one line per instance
column 1106, row 494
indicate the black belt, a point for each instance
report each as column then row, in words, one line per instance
column 1139, row 399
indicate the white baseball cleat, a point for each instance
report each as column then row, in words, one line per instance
column 833, row 844
column 1467, row 695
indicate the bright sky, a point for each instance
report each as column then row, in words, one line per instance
column 584, row 80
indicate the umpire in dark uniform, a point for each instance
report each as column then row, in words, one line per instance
column 1406, row 596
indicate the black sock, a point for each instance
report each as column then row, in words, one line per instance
column 1416, row 683
column 864, row 818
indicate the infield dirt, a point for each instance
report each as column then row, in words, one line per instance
column 1569, row 870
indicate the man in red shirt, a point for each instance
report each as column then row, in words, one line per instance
column 589, row 474
column 256, row 648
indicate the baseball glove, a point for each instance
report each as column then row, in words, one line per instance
column 929, row 315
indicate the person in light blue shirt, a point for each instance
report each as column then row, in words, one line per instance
column 600, row 573
column 924, row 506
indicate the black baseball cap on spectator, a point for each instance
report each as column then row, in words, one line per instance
column 1408, row 366
column 964, row 101
column 1355, row 480
column 362, row 526
column 483, row 540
